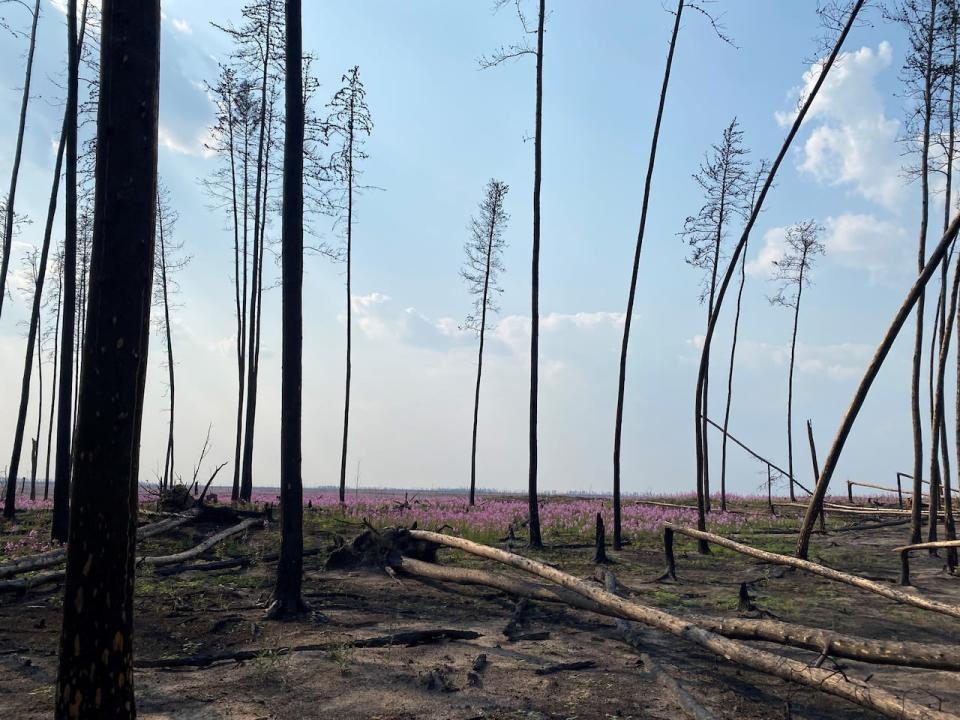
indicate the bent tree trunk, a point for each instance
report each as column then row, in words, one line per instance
column 631, row 296
column 15, row 173
column 95, row 677
column 287, row 599
column 829, row 465
column 738, row 250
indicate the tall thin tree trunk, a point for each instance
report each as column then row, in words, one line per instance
column 536, row 541
column 706, row 375
column 95, row 677
column 53, row 387
column 35, row 449
column 483, row 331
column 168, row 475
column 793, row 354
column 287, row 592
column 241, row 282
column 62, row 470
column 916, row 514
column 631, row 296
column 15, row 173
column 738, row 250
column 246, row 478
column 840, row 439
column 948, row 519
column 9, row 508
column 726, row 411
column 346, row 390
column 235, row 494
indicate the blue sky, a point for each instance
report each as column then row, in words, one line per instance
column 442, row 129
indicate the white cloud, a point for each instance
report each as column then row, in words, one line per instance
column 866, row 243
column 774, row 248
column 198, row 148
column 181, row 26
column 840, row 361
column 855, row 144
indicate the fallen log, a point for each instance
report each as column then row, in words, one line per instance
column 877, row 699
column 816, row 569
column 409, row 638
column 243, row 561
column 850, row 647
column 905, row 551
column 159, row 560
column 566, row 667
column 55, row 557
column 681, row 695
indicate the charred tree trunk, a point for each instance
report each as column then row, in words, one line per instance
column 916, row 518
column 15, row 173
column 829, row 465
column 726, row 412
column 53, row 387
column 476, row 396
column 95, row 677
column 349, row 349
column 168, row 475
column 246, row 479
column 9, row 507
column 793, row 353
column 64, row 456
column 536, row 541
column 35, row 447
column 287, row 598
column 631, row 297
column 738, row 250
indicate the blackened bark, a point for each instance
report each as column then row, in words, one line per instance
column 738, row 250
column 349, row 364
column 53, row 386
column 287, row 598
column 95, row 677
column 9, row 507
column 168, row 475
column 15, row 173
column 793, row 354
column 536, row 541
column 62, row 469
column 631, row 297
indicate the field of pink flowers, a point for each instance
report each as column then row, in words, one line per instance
column 560, row 515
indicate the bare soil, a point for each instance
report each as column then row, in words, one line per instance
column 201, row 612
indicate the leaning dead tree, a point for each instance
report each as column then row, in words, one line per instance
column 922, row 75
column 632, row 294
column 839, row 440
column 792, row 273
column 500, row 56
column 481, row 271
column 724, row 179
column 10, row 201
column 804, row 108
column 349, row 123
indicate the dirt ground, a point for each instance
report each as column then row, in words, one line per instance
column 201, row 612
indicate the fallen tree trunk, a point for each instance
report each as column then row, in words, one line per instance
column 821, row 570
column 907, row 549
column 850, row 647
column 244, row 561
column 55, row 557
column 193, row 552
column 833, row 683
column 409, row 638
column 689, row 704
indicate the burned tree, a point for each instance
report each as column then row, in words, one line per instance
column 9, row 215
column 55, row 333
column 350, row 122
column 287, row 594
column 723, row 178
column 500, row 56
column 921, row 76
column 761, row 172
column 95, row 677
column 481, row 270
column 792, row 272
column 169, row 260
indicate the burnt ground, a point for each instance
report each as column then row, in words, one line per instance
column 201, row 612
